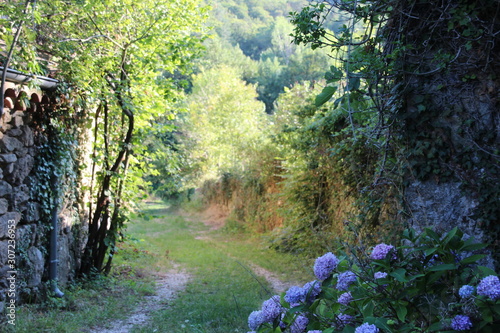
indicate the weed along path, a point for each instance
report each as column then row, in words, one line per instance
column 205, row 279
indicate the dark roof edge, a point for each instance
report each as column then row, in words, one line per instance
column 45, row 83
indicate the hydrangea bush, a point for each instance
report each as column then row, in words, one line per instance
column 429, row 283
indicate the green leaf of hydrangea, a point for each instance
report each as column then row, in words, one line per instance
column 472, row 259
column 401, row 311
column 442, row 267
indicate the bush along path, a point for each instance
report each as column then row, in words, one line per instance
column 207, row 280
column 431, row 283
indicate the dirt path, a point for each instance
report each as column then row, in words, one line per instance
column 168, row 285
column 215, row 218
column 276, row 283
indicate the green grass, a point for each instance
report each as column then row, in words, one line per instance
column 222, row 292
column 84, row 305
column 219, row 297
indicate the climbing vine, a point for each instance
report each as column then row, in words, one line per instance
column 416, row 81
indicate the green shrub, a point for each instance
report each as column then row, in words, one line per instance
column 429, row 283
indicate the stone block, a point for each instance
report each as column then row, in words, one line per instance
column 36, row 264
column 5, row 127
column 8, row 158
column 15, row 132
column 4, row 206
column 21, row 152
column 5, row 188
column 6, row 116
column 4, row 222
column 4, row 251
column 27, row 138
column 26, row 235
column 21, row 197
column 9, row 144
column 9, row 169
column 3, row 280
column 18, row 121
column 22, row 168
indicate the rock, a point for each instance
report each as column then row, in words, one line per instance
column 22, row 168
column 9, row 144
column 5, row 188
column 18, row 119
column 35, row 257
column 8, row 158
column 15, row 132
column 27, row 138
column 442, row 207
column 4, row 206
column 6, row 117
column 4, row 222
column 21, row 152
column 26, row 235
column 9, row 169
column 21, row 197
column 4, row 252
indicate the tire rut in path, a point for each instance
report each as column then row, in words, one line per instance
column 277, row 284
column 215, row 218
column 168, row 285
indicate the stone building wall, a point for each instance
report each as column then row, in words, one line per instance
column 20, row 205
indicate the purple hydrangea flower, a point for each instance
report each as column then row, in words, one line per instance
column 366, row 328
column 324, row 265
column 315, row 331
column 343, row 320
column 380, row 275
column 312, row 290
column 295, row 295
column 466, row 291
column 489, row 287
column 345, row 279
column 299, row 325
column 345, row 298
column 255, row 319
column 461, row 323
column 381, row 251
column 271, row 309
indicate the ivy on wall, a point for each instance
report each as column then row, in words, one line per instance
column 417, row 82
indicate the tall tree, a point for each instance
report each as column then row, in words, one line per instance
column 116, row 56
column 225, row 122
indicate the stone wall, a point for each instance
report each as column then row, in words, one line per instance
column 20, row 205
